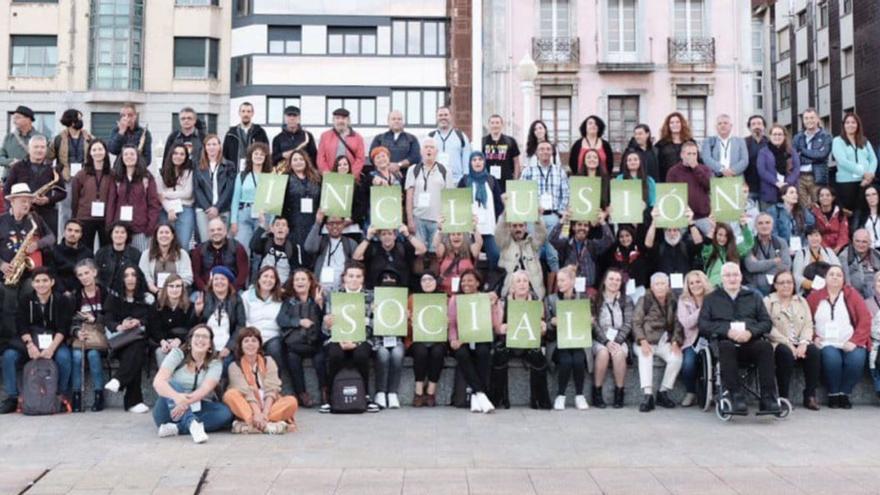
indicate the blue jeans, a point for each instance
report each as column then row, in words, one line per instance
column 689, row 369
column 95, row 365
column 425, row 230
column 388, row 366
column 246, row 228
column 842, row 370
column 820, row 174
column 214, row 416
column 184, row 226
column 490, row 247
column 12, row 359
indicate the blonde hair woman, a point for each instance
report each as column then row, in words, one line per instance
column 696, row 287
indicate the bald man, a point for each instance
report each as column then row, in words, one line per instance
column 404, row 146
column 219, row 250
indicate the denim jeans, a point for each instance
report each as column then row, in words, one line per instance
column 689, row 369
column 425, row 230
column 95, row 365
column 13, row 358
column 184, row 226
column 490, row 247
column 246, row 228
column 820, row 173
column 389, row 362
column 214, row 416
column 842, row 370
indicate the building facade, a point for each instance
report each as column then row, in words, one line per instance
column 383, row 55
column 94, row 55
column 627, row 61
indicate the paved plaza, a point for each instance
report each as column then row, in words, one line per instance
column 450, row 451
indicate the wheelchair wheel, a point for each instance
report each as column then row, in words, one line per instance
column 705, row 380
column 784, row 408
column 720, row 405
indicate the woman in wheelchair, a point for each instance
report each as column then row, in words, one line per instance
column 735, row 320
column 843, row 332
column 792, row 338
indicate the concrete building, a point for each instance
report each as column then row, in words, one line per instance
column 628, row 61
column 412, row 56
column 826, row 54
column 94, row 55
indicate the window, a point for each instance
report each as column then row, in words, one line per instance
column 802, row 18
column 351, row 40
column 824, row 72
column 556, row 113
column 241, row 71
column 209, row 121
column 688, row 18
column 242, row 7
column 783, row 44
column 419, row 106
column 197, row 2
column 554, row 19
column 785, row 92
column 275, row 106
column 848, row 62
column 116, row 44
column 103, row 124
column 34, row 1
column 623, row 115
column 757, row 42
column 847, row 7
column 622, row 26
column 694, row 110
column 285, row 39
column 196, row 58
column 34, row 56
column 417, row 37
column 823, row 15
column 44, row 123
column 803, row 70
column 362, row 110
column 759, row 90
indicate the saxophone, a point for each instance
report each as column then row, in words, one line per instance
column 22, row 260
column 49, row 185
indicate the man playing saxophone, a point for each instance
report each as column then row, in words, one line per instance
column 44, row 180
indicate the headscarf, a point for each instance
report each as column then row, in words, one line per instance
column 477, row 179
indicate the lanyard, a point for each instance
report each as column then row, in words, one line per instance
column 333, row 250
column 99, row 178
column 544, row 184
column 766, row 252
column 833, row 303
column 610, row 309
column 443, row 139
column 196, row 378
column 425, row 176
column 725, row 148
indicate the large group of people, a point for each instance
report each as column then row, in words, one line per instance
column 106, row 253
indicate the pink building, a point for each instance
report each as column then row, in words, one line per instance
column 628, row 61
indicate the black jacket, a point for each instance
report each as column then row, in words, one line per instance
column 110, row 262
column 719, row 310
column 234, row 148
column 195, row 139
column 286, row 141
column 234, row 309
column 55, row 317
column 649, row 159
column 203, row 188
column 117, row 309
column 297, row 338
column 64, row 259
column 167, row 323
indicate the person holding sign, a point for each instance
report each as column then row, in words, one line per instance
column 677, row 251
column 778, row 166
column 523, row 332
column 634, row 168
column 768, row 257
column 457, row 252
column 474, row 356
column 428, row 357
column 831, row 219
column 243, row 222
column 697, row 177
column 521, row 250
column 696, row 287
column 736, row 319
column 570, row 361
column 332, row 251
column 302, row 197
column 582, row 250
column 384, row 249
column 164, row 258
column 133, row 190
column 175, row 189
column 424, row 181
column 612, row 325
column 300, row 319
column 356, row 215
column 724, row 247
column 389, row 349
column 628, row 256
column 276, row 248
column 593, row 168
column 807, row 261
column 790, row 219
column 488, row 205
column 88, row 189
column 657, row 332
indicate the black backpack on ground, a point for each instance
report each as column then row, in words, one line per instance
column 39, row 388
column 348, row 394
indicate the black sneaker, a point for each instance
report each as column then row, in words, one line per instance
column 834, row 402
column 769, row 405
column 9, row 405
column 739, row 404
column 647, row 404
column 844, row 402
column 663, row 400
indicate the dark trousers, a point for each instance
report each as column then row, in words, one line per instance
column 276, row 349
column 570, row 363
column 785, row 361
column 92, row 228
column 131, row 365
column 428, row 360
column 758, row 352
column 475, row 365
column 358, row 358
column 297, row 372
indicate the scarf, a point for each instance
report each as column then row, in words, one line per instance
column 782, row 156
column 249, row 373
column 477, row 180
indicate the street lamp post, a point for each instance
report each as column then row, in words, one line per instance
column 528, row 72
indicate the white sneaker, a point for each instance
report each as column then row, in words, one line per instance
column 113, row 385
column 139, row 408
column 393, row 401
column 168, row 430
column 689, row 400
column 197, row 432
column 381, row 400
column 276, row 428
column 559, row 403
column 580, row 402
column 485, row 404
column 475, row 404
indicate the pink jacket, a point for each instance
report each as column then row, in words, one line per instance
column 328, row 146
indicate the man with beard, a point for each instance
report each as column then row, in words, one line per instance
column 239, row 137
column 677, row 250
column 579, row 249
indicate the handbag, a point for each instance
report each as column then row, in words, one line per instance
column 95, row 338
column 122, row 339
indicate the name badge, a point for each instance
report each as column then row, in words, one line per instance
column 818, row 283
column 44, row 340
column 98, row 209
column 443, row 158
column 630, row 286
column 424, row 200
column 75, row 168
column 161, row 277
column 126, row 213
column 389, row 341
column 195, row 406
column 676, row 280
column 611, row 334
column 175, row 205
column 794, row 243
column 769, row 278
column 495, row 171
column 327, row 275
column 739, row 326
column 306, row 205
column 780, row 178
column 242, row 163
column 580, row 284
column 456, row 282
column 546, row 201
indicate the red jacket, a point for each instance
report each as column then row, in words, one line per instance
column 144, row 202
column 328, row 146
column 835, row 232
column 858, row 313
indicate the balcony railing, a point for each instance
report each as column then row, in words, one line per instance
column 556, row 51
column 692, row 54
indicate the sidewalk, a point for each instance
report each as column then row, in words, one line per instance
column 451, row 451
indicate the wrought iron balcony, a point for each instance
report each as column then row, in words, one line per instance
column 556, row 52
column 694, row 54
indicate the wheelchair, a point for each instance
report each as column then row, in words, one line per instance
column 711, row 393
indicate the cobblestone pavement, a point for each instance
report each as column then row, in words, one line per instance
column 449, row 451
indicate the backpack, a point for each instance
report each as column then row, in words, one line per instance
column 420, row 166
column 39, row 390
column 457, row 133
column 348, row 394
